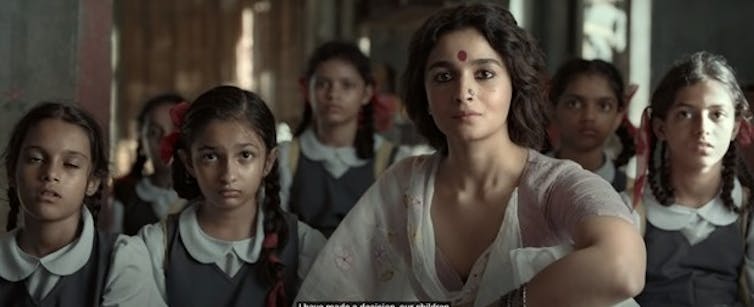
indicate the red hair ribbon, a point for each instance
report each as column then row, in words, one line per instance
column 276, row 295
column 641, row 141
column 167, row 144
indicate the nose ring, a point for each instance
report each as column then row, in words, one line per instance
column 471, row 92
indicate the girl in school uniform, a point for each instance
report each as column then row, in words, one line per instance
column 57, row 167
column 232, row 245
column 140, row 198
column 695, row 211
column 589, row 104
column 451, row 226
column 335, row 155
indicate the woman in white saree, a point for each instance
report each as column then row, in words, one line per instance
column 487, row 219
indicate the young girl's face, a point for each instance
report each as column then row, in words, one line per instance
column 468, row 86
column 337, row 92
column 699, row 126
column 586, row 113
column 53, row 171
column 158, row 124
column 229, row 161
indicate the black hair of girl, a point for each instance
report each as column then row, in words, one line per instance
column 698, row 67
column 137, row 168
column 347, row 52
column 577, row 67
column 68, row 113
column 522, row 57
column 230, row 103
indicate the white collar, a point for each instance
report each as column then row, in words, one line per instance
column 676, row 217
column 154, row 194
column 18, row 265
column 336, row 160
column 206, row 249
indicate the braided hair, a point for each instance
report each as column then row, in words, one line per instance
column 229, row 103
column 691, row 70
column 364, row 140
column 68, row 113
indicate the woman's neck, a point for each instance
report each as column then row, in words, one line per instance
column 228, row 225
column 336, row 135
column 590, row 160
column 484, row 165
column 695, row 187
column 41, row 238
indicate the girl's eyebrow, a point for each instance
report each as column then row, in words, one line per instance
column 687, row 105
column 242, row 145
column 447, row 64
column 205, row 147
column 239, row 145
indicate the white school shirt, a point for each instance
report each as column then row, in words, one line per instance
column 127, row 282
column 164, row 202
column 229, row 256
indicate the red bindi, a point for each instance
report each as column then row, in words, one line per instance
column 461, row 55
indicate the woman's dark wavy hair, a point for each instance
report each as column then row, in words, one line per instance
column 229, row 103
column 523, row 60
column 698, row 67
column 349, row 53
column 137, row 168
column 577, row 67
column 71, row 114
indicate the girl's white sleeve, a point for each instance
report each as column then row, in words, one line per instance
column 155, row 240
column 130, row 280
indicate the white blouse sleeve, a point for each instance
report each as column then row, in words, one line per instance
column 155, row 240
column 310, row 242
column 130, row 280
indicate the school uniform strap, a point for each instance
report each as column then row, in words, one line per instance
column 105, row 243
column 384, row 155
column 169, row 229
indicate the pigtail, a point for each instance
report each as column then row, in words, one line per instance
column 364, row 141
column 275, row 237
column 729, row 179
column 659, row 173
column 15, row 205
column 628, row 148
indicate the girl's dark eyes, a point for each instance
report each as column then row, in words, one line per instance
column 247, row 154
column 209, row 156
